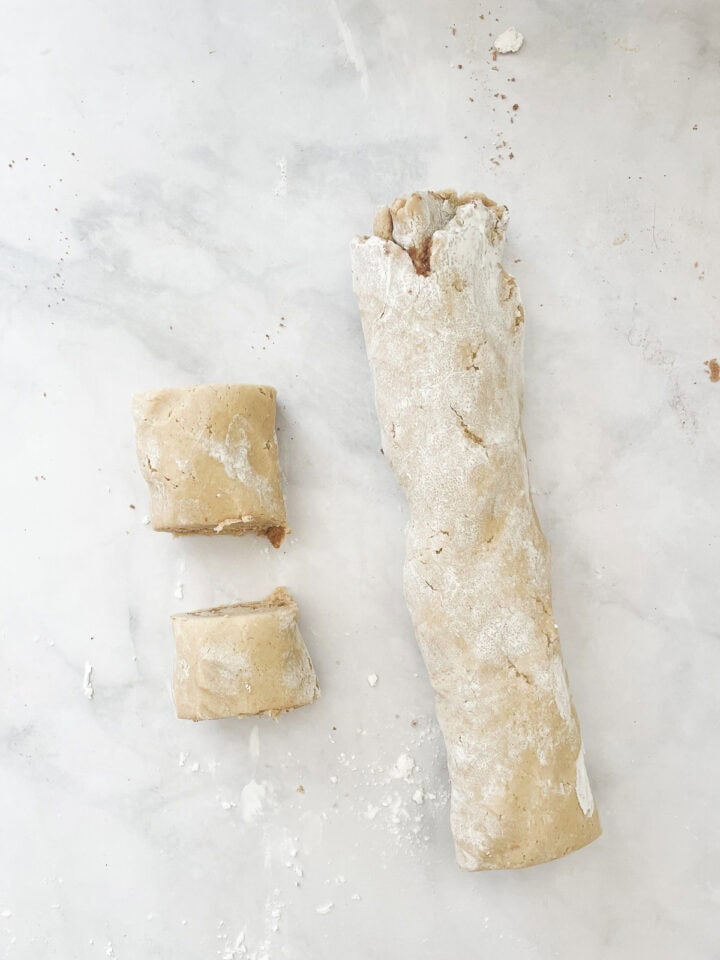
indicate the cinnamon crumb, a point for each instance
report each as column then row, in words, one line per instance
column 713, row 369
column 275, row 535
column 420, row 256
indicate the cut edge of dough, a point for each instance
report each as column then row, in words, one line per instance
column 278, row 598
column 232, row 527
column 141, row 397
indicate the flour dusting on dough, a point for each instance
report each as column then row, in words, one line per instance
column 582, row 785
column 234, row 454
column 560, row 688
column 443, row 326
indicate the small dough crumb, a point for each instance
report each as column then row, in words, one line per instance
column 372, row 679
column 509, row 41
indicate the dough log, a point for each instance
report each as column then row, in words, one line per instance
column 242, row 660
column 209, row 456
column 443, row 326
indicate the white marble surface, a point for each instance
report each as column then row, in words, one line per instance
column 176, row 179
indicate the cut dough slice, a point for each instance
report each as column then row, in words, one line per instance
column 443, row 326
column 241, row 660
column 209, row 455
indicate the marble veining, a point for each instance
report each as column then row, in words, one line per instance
column 179, row 185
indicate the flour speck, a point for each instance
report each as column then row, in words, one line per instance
column 88, row 688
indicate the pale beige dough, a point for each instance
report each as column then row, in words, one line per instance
column 443, row 327
column 241, row 660
column 209, row 455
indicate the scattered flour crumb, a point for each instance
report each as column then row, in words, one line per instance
column 509, row 41
column 404, row 767
column 371, row 812
column 195, row 767
column 5, row 914
column 145, row 520
column 179, row 591
column 280, row 188
column 253, row 800
column 373, row 679
column 419, row 796
column 356, row 896
column 333, row 779
column 181, row 759
column 227, row 804
column 88, row 688
column 324, row 908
